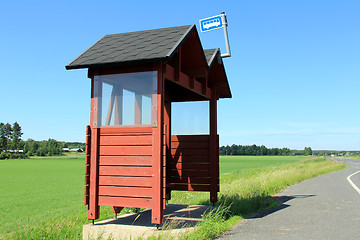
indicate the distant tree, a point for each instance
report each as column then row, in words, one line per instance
column 7, row 134
column 263, row 150
column 307, row 151
column 16, row 136
column 227, row 150
column 50, row 147
column 255, row 150
column 323, row 154
column 31, row 146
column 3, row 140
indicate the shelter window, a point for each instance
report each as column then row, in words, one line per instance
column 125, row 99
column 189, row 118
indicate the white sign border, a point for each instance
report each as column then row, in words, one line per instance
column 204, row 19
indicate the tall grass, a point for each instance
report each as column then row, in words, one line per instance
column 246, row 192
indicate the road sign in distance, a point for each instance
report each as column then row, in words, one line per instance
column 211, row 23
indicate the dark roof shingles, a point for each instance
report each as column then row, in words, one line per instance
column 209, row 55
column 129, row 47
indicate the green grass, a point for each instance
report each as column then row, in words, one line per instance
column 34, row 191
column 230, row 163
column 42, row 198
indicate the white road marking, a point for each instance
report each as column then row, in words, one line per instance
column 352, row 183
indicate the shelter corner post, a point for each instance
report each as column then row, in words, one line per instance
column 214, row 145
column 157, row 152
column 93, row 207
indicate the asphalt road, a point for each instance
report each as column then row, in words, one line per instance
column 325, row 207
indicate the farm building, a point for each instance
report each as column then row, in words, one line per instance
column 74, row 150
column 132, row 159
column 14, row 151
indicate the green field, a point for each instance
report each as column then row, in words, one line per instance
column 231, row 163
column 37, row 190
column 43, row 197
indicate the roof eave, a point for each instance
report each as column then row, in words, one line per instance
column 180, row 41
column 134, row 62
column 215, row 54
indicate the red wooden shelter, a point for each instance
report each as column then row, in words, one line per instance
column 132, row 159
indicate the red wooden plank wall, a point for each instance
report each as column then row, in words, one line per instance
column 190, row 163
column 125, row 167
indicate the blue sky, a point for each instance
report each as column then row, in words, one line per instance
column 294, row 71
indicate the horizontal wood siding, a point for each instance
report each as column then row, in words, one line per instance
column 190, row 163
column 125, row 191
column 125, row 167
column 125, row 171
column 125, row 201
column 125, row 160
column 125, row 150
column 125, row 181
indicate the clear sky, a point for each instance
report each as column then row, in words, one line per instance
column 294, row 71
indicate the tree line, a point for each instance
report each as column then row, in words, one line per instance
column 12, row 146
column 10, row 137
column 255, row 150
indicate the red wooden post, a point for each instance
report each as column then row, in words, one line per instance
column 213, row 146
column 93, row 208
column 157, row 154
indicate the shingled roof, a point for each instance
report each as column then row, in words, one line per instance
column 210, row 55
column 141, row 46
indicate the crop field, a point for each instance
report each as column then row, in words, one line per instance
column 43, row 197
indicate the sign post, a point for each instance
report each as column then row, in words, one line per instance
column 216, row 22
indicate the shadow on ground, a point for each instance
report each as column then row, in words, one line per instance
column 254, row 207
column 282, row 200
column 175, row 217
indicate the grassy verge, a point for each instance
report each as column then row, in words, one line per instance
column 246, row 192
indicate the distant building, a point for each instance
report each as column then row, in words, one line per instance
column 76, row 150
column 15, row 151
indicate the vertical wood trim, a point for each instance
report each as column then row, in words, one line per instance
column 213, row 146
column 92, row 103
column 167, row 154
column 93, row 208
column 154, row 102
column 118, row 106
column 157, row 195
column 87, row 164
column 205, row 83
column 96, row 104
column 138, row 108
column 93, row 212
column 177, row 77
column 111, row 106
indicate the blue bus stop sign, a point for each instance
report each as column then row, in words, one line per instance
column 211, row 23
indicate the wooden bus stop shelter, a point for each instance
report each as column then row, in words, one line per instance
column 132, row 158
